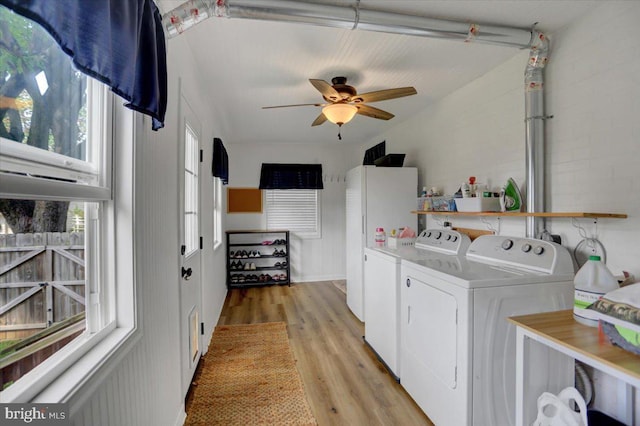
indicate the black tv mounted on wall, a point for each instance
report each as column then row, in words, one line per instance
column 372, row 154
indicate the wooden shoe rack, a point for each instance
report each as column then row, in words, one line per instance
column 257, row 258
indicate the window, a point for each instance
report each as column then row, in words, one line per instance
column 297, row 210
column 57, row 211
column 217, row 212
column 191, row 164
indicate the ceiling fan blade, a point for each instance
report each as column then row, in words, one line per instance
column 295, row 105
column 383, row 95
column 319, row 120
column 372, row 112
column 326, row 89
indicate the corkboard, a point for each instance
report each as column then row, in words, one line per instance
column 244, row 200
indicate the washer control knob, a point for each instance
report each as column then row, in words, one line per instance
column 526, row 247
column 449, row 237
column 538, row 250
column 507, row 244
column 454, row 238
column 428, row 234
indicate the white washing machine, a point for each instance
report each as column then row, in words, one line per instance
column 457, row 352
column 382, row 288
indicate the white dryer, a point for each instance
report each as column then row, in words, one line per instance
column 457, row 352
column 382, row 288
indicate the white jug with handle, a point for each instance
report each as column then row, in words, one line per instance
column 556, row 410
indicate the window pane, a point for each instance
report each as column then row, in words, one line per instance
column 191, row 162
column 42, row 291
column 217, row 210
column 43, row 102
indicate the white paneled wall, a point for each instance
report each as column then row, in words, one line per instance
column 311, row 259
column 593, row 92
column 593, row 141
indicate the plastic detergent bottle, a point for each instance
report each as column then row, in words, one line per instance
column 591, row 282
column 380, row 237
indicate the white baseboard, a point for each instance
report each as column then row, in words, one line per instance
column 312, row 278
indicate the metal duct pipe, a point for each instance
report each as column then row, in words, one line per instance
column 353, row 17
column 346, row 17
column 534, row 132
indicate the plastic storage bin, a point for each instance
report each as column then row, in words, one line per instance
column 396, row 243
column 437, row 204
column 478, row 204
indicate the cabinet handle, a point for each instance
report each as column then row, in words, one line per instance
column 408, row 282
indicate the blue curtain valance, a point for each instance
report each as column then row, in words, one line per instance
column 291, row 176
column 118, row 42
column 220, row 163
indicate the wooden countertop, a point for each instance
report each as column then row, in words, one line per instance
column 561, row 328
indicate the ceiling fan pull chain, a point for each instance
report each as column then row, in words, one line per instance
column 339, row 130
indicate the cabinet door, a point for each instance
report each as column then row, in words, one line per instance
column 381, row 276
column 355, row 242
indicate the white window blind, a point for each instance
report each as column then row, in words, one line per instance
column 297, row 210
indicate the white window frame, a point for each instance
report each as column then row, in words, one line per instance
column 111, row 316
column 278, row 218
column 217, row 212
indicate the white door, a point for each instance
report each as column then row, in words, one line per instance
column 190, row 280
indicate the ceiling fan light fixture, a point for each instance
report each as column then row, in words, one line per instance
column 339, row 113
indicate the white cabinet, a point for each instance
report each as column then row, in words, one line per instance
column 376, row 197
column 382, row 307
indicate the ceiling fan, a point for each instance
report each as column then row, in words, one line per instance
column 344, row 102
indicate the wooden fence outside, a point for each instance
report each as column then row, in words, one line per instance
column 42, row 281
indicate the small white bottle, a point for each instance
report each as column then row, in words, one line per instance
column 591, row 282
column 380, row 237
column 466, row 190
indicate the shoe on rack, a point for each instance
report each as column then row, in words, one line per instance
column 284, row 264
column 277, row 265
column 247, row 266
column 252, row 266
column 232, row 254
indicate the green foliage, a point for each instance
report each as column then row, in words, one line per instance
column 24, row 44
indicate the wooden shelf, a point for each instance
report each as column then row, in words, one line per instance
column 525, row 214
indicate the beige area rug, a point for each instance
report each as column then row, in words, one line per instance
column 341, row 284
column 249, row 377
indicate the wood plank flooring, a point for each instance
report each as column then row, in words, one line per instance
column 344, row 381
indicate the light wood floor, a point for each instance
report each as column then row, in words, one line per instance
column 344, row 382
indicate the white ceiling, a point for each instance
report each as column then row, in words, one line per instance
column 249, row 64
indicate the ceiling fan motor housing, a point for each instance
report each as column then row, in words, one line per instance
column 341, row 86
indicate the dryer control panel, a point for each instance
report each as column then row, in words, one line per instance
column 443, row 240
column 528, row 253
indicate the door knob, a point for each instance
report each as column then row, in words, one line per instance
column 186, row 273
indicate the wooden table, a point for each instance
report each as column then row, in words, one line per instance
column 558, row 330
